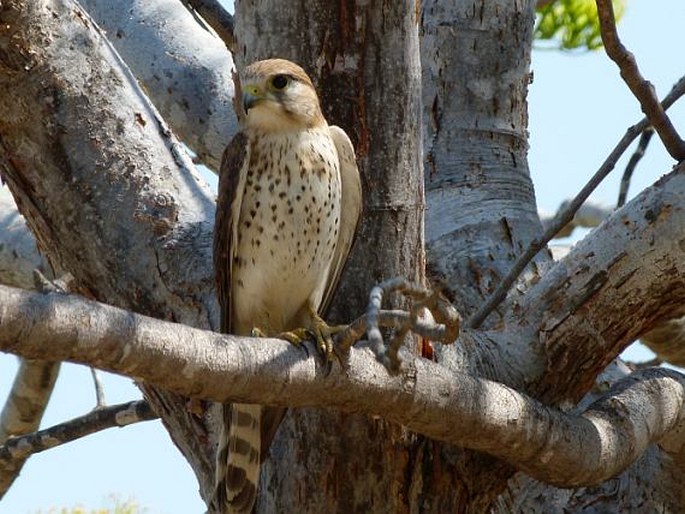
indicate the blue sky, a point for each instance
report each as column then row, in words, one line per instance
column 579, row 108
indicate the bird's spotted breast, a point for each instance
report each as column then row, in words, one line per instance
column 289, row 225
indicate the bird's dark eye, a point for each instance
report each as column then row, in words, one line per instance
column 279, row 82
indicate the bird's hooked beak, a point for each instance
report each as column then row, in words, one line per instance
column 252, row 94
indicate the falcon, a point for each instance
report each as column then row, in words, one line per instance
column 288, row 205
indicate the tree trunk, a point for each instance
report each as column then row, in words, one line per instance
column 364, row 60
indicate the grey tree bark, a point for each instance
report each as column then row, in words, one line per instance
column 364, row 58
column 112, row 199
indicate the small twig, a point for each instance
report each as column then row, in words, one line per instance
column 651, row 363
column 641, row 88
column 588, row 215
column 566, row 215
column 99, row 389
column 115, row 416
column 373, row 331
column 393, row 319
column 214, row 14
column 632, row 163
column 441, row 310
column 63, row 284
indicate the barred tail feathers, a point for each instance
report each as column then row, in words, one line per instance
column 238, row 454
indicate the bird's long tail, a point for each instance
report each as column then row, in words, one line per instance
column 237, row 459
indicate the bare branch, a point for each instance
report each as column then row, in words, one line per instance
column 216, row 17
column 439, row 308
column 99, row 389
column 565, row 217
column 600, row 298
column 184, row 68
column 124, row 414
column 542, row 441
column 632, row 163
column 30, row 392
column 18, row 250
column 24, row 409
column 588, row 215
column 641, row 88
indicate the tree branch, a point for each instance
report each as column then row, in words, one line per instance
column 30, row 392
column 175, row 58
column 29, row 396
column 124, row 414
column 548, row 444
column 588, row 215
column 632, row 163
column 24, row 409
column 565, row 217
column 18, row 250
column 641, row 88
column 601, row 297
column 216, row 17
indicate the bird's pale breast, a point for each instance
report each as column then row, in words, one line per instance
column 288, row 229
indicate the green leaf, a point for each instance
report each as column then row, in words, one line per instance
column 571, row 24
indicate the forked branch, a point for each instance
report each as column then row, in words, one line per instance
column 641, row 88
column 565, row 216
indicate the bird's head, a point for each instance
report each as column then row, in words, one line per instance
column 279, row 95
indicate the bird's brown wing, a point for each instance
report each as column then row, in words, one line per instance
column 232, row 173
column 350, row 210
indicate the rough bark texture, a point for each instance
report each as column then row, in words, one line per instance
column 481, row 210
column 364, row 60
column 113, row 200
column 481, row 204
column 184, row 68
column 102, row 183
column 18, row 253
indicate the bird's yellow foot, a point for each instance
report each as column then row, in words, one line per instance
column 319, row 331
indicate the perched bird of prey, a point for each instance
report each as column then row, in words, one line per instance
column 288, row 205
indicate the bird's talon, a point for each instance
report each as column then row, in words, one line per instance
column 257, row 332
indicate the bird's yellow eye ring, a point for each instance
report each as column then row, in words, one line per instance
column 279, row 82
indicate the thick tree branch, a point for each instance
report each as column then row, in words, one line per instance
column 601, row 297
column 565, row 217
column 24, row 409
column 185, row 69
column 108, row 170
column 18, row 250
column 641, row 88
column 427, row 398
column 20, row 448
